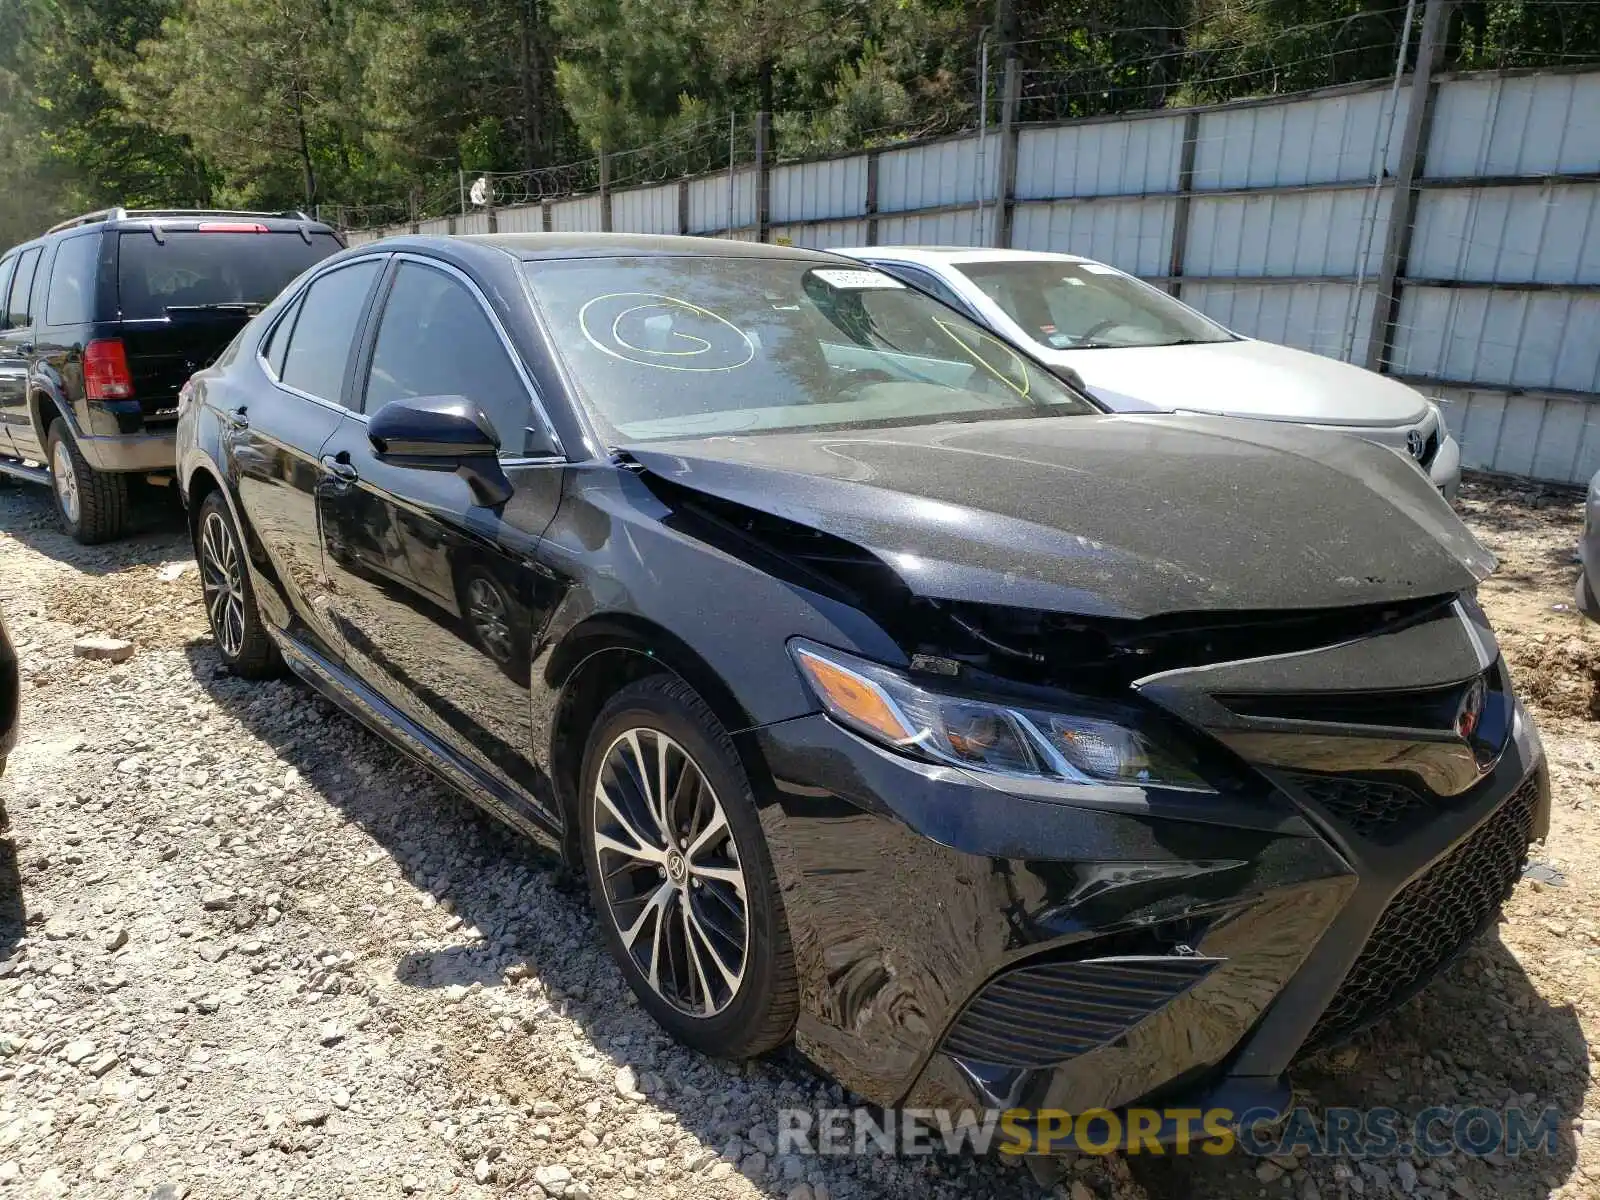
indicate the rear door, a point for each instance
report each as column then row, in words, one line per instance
column 273, row 438
column 65, row 296
column 438, row 598
column 16, row 349
column 184, row 293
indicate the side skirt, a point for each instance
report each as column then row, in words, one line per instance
column 378, row 715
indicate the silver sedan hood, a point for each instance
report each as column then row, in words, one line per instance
column 1244, row 378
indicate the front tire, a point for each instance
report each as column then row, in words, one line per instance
column 679, row 872
column 91, row 506
column 230, row 599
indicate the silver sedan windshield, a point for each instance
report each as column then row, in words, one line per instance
column 1068, row 305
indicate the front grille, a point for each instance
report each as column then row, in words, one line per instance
column 1412, row 708
column 1369, row 807
column 1432, row 919
column 1036, row 1016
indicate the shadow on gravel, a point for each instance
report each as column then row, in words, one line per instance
column 486, row 874
column 1480, row 1036
column 155, row 520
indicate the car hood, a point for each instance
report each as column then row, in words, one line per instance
column 1243, row 378
column 1125, row 516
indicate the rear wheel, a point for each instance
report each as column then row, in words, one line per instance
column 242, row 638
column 91, row 506
column 680, row 875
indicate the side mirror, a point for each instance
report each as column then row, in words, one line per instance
column 432, row 427
column 442, row 433
column 1069, row 377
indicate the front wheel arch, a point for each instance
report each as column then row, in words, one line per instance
column 599, row 659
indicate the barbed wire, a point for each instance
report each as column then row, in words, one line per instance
column 1063, row 75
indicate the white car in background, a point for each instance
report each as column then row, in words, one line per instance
column 1139, row 350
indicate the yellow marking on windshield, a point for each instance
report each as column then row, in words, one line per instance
column 977, row 358
column 626, row 351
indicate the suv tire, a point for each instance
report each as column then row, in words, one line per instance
column 91, row 506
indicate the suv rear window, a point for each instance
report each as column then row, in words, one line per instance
column 193, row 270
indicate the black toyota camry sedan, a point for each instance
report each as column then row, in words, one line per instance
column 893, row 698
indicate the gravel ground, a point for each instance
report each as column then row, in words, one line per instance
column 246, row 950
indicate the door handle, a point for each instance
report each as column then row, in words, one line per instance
column 340, row 468
column 239, row 418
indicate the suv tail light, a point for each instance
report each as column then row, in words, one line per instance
column 233, row 227
column 105, row 371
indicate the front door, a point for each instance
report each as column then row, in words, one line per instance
column 436, row 597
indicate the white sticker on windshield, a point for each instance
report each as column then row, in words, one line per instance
column 1099, row 269
column 856, row 281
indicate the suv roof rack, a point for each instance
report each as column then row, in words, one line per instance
column 122, row 214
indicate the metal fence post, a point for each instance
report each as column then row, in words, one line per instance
column 1180, row 206
column 763, row 176
column 872, row 197
column 1006, row 185
column 733, row 134
column 605, row 191
column 683, row 207
column 1413, row 161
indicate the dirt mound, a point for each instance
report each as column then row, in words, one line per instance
column 1559, row 676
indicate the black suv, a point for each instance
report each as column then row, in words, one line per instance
column 101, row 322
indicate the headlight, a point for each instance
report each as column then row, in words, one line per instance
column 1091, row 744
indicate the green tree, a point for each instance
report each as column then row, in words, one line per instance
column 268, row 91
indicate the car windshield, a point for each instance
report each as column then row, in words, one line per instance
column 194, row 270
column 1088, row 306
column 665, row 347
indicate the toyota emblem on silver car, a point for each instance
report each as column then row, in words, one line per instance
column 1414, row 444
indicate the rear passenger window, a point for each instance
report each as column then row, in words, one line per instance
column 436, row 340
column 319, row 345
column 17, row 315
column 278, row 340
column 6, row 268
column 72, row 280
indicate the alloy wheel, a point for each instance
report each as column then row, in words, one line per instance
column 65, row 478
column 670, row 872
column 223, row 581
column 486, row 610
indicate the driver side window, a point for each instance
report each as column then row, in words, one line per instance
column 436, row 340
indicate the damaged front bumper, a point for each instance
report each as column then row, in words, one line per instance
column 971, row 946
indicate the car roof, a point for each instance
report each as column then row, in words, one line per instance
column 605, row 245
column 178, row 220
column 932, row 255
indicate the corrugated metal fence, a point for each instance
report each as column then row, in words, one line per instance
column 1265, row 215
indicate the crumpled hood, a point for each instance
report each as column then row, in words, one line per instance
column 1122, row 516
column 1244, row 378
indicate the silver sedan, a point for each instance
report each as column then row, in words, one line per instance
column 1138, row 350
